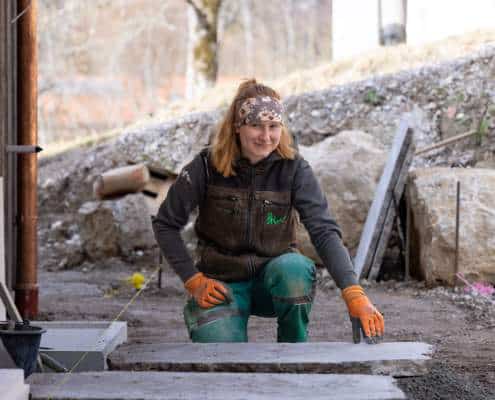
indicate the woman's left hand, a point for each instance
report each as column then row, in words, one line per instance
column 359, row 306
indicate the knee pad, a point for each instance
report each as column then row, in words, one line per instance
column 218, row 324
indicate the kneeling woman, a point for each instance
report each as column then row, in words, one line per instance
column 248, row 186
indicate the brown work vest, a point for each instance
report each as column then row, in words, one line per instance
column 241, row 229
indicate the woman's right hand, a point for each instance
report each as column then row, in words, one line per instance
column 206, row 291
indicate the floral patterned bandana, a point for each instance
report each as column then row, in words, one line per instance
column 259, row 109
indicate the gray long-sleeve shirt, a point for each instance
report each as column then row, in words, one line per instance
column 272, row 173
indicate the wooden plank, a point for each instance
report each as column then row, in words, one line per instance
column 445, row 142
column 397, row 359
column 122, row 385
column 383, row 195
column 3, row 85
column 391, row 213
column 3, row 276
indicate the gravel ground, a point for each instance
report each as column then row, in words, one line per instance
column 460, row 325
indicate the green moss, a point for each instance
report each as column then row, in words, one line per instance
column 460, row 97
column 372, row 97
column 482, row 131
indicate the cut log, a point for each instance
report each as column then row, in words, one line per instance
column 121, row 181
column 397, row 359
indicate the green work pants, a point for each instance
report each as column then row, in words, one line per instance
column 284, row 289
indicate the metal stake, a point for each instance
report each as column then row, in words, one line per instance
column 457, row 212
column 407, row 272
column 160, row 262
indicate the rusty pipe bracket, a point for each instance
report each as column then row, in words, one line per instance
column 11, row 148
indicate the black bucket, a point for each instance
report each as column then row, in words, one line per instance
column 22, row 343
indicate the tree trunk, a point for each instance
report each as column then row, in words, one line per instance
column 392, row 20
column 202, row 60
column 289, row 27
column 248, row 34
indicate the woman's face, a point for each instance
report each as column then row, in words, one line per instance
column 258, row 140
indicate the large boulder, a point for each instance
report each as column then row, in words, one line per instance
column 432, row 196
column 115, row 228
column 348, row 167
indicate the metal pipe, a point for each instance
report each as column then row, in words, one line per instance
column 26, row 287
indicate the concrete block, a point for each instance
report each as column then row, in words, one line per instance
column 86, row 342
column 122, row 385
column 12, row 385
column 396, row 359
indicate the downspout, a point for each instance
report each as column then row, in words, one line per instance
column 26, row 287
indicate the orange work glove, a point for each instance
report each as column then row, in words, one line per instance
column 360, row 307
column 206, row 291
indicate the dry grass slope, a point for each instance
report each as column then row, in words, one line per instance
column 382, row 61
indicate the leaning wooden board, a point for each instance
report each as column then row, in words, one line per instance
column 373, row 227
column 390, row 215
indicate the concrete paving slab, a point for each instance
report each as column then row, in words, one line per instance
column 12, row 385
column 68, row 341
column 123, row 385
column 397, row 359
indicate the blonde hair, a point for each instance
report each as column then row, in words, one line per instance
column 226, row 148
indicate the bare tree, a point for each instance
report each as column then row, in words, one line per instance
column 202, row 65
column 110, row 56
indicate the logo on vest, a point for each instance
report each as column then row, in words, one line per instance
column 274, row 220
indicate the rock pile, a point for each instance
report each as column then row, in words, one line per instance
column 335, row 128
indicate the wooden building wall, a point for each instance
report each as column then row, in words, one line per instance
column 8, row 130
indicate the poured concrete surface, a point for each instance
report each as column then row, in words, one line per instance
column 12, row 385
column 176, row 385
column 69, row 341
column 397, row 359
